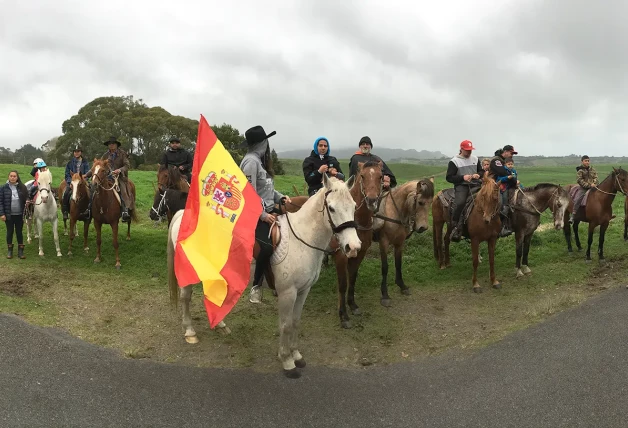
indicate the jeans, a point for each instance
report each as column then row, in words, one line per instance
column 15, row 223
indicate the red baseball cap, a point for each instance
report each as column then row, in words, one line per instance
column 467, row 145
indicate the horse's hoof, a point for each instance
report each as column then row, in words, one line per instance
column 387, row 303
column 70, row 253
column 519, row 274
column 292, row 373
column 345, row 324
column 96, row 260
column 118, row 267
column 405, row 291
column 477, row 289
column 356, row 311
column 570, row 250
column 65, row 233
column 86, row 249
column 497, row 286
column 224, row 330
column 587, row 260
column 300, row 363
column 59, row 254
column 191, row 339
column 128, row 238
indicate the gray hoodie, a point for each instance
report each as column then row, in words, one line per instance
column 263, row 184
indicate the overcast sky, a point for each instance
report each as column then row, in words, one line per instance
column 549, row 77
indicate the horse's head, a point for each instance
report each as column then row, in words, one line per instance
column 79, row 187
column 370, row 178
column 159, row 208
column 487, row 198
column 44, row 185
column 559, row 203
column 419, row 202
column 100, row 171
column 621, row 178
column 340, row 208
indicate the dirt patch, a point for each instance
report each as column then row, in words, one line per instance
column 22, row 285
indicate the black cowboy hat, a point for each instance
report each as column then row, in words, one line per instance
column 112, row 140
column 255, row 135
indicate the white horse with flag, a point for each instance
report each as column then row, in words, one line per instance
column 212, row 241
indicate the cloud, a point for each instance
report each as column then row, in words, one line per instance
column 546, row 77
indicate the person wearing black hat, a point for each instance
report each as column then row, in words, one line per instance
column 497, row 168
column 76, row 164
column 257, row 166
column 587, row 179
column 177, row 156
column 364, row 155
column 120, row 165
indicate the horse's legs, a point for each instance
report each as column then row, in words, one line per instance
column 65, row 226
column 98, row 227
column 567, row 233
column 85, row 233
column 447, row 240
column 114, row 231
column 475, row 252
column 128, row 231
column 398, row 275
column 185, row 295
column 383, row 255
column 287, row 299
column 527, row 240
column 40, row 226
column 600, row 249
column 491, row 262
column 341, row 272
column 576, row 236
column 354, row 265
column 437, row 238
column 592, row 227
column 55, row 234
column 519, row 252
column 29, row 226
column 296, row 316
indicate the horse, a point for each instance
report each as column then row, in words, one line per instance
column 171, row 194
column 79, row 203
column 528, row 205
column 306, row 232
column 44, row 210
column 597, row 210
column 106, row 205
column 171, row 178
column 626, row 218
column 366, row 192
column 402, row 212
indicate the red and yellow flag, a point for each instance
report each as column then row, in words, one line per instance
column 217, row 234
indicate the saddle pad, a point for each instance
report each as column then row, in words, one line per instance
column 281, row 251
column 446, row 196
column 577, row 193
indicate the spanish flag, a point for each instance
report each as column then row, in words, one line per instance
column 217, row 234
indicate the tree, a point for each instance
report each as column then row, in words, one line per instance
column 277, row 165
column 27, row 153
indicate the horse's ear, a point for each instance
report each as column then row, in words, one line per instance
column 381, row 164
column 351, row 182
column 360, row 165
column 326, row 182
column 432, row 179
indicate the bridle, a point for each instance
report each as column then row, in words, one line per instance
column 335, row 229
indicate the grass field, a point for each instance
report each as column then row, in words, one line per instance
column 128, row 309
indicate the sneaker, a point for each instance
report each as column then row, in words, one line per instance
column 256, row 294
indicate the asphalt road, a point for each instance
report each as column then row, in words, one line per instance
column 570, row 371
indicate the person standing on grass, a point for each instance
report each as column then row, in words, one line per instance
column 12, row 202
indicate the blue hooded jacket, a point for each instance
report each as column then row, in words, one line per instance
column 314, row 161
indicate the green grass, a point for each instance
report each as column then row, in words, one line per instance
column 128, row 309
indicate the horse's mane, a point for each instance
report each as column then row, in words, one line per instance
column 370, row 163
column 174, row 178
column 539, row 186
column 487, row 194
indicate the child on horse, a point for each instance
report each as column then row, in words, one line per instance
column 587, row 179
column 504, row 179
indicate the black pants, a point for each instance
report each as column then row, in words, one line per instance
column 266, row 250
column 462, row 192
column 15, row 223
column 67, row 194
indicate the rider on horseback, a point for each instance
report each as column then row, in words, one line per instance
column 498, row 169
column 38, row 165
column 257, row 166
column 587, row 179
column 76, row 164
column 177, row 156
column 464, row 171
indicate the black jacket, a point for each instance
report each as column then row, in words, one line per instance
column 5, row 198
column 497, row 169
column 359, row 157
column 178, row 158
column 313, row 178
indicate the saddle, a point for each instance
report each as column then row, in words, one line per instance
column 275, row 236
column 577, row 192
column 447, row 196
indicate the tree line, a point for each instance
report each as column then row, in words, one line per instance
column 143, row 131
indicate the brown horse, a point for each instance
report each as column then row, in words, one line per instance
column 106, row 205
column 171, row 178
column 171, row 194
column 79, row 202
column 60, row 191
column 529, row 204
column 402, row 212
column 598, row 210
column 366, row 191
column 626, row 218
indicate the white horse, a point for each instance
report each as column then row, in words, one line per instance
column 307, row 233
column 45, row 209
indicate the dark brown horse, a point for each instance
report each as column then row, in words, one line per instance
column 171, row 194
column 106, row 205
column 79, row 202
column 529, row 204
column 366, row 192
column 626, row 218
column 403, row 211
column 598, row 210
column 171, row 178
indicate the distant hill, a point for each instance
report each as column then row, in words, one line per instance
column 400, row 155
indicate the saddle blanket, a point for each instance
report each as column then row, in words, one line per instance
column 280, row 253
column 577, row 192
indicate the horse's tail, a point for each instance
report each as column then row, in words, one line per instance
column 173, row 286
column 134, row 217
column 437, row 226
